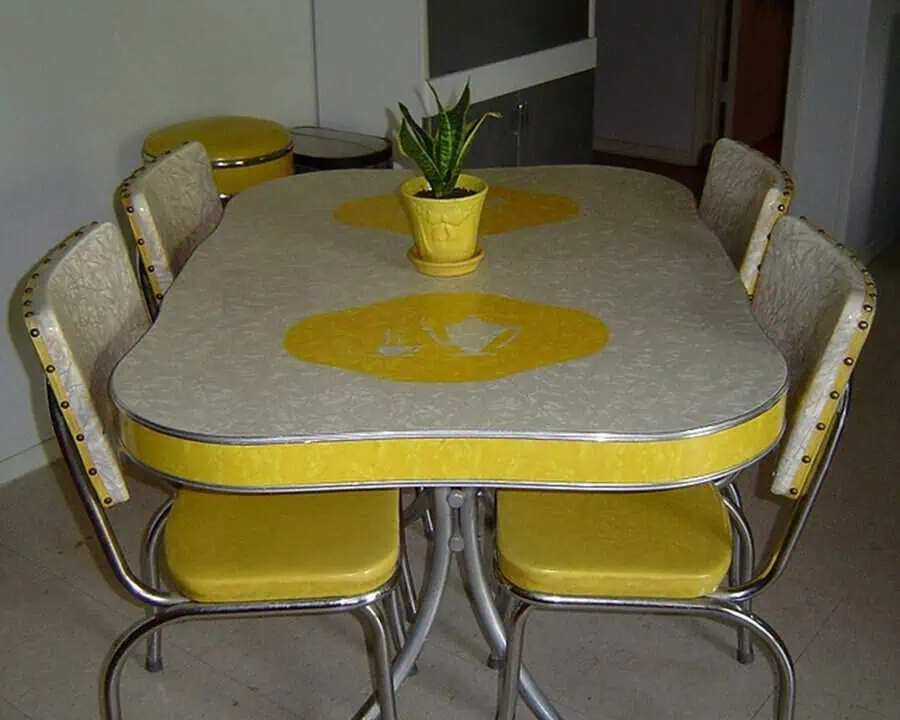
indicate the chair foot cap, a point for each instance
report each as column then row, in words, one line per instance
column 745, row 658
column 154, row 666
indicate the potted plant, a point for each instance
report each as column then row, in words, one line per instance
column 443, row 205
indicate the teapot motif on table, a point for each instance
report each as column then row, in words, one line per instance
column 474, row 336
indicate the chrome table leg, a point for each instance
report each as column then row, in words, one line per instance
column 483, row 605
column 436, row 572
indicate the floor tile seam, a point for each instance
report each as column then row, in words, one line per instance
column 12, row 703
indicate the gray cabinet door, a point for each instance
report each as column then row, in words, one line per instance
column 465, row 34
column 555, row 129
column 495, row 144
column 559, row 123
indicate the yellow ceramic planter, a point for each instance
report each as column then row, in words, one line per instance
column 445, row 231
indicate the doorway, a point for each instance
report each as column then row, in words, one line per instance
column 757, row 72
column 742, row 53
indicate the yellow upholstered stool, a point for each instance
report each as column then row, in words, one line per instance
column 244, row 151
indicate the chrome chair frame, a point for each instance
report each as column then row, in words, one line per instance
column 743, row 556
column 728, row 605
column 166, row 608
column 418, row 510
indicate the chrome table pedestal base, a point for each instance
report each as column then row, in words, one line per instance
column 454, row 514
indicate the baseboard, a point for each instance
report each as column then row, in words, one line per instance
column 873, row 250
column 28, row 460
column 649, row 152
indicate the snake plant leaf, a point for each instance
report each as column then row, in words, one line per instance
column 443, row 145
column 444, row 148
column 412, row 147
column 457, row 115
column 471, row 130
column 439, row 152
column 423, row 137
column 459, row 111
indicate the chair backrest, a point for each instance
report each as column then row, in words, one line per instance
column 816, row 303
column 744, row 194
column 172, row 205
column 84, row 310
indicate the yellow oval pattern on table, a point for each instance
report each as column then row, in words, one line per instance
column 505, row 210
column 446, row 337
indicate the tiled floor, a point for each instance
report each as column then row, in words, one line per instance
column 837, row 608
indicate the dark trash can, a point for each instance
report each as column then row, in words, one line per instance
column 317, row 148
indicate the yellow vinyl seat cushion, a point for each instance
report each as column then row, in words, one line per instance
column 232, row 548
column 670, row 544
column 245, row 151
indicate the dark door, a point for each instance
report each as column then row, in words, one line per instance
column 558, row 123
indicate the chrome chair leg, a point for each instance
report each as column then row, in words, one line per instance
column 487, row 499
column 376, row 640
column 427, row 519
column 786, row 692
column 727, row 613
column 420, row 509
column 406, row 588
column 396, row 627
column 508, row 687
column 741, row 570
column 151, row 573
column 396, row 631
column 415, row 511
column 407, row 584
column 370, row 616
column 504, row 607
column 110, row 699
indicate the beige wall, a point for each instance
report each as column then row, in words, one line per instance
column 841, row 130
column 81, row 83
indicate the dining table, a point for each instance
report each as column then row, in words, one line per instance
column 605, row 343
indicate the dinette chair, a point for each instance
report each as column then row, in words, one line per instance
column 172, row 205
column 670, row 551
column 226, row 555
column 744, row 194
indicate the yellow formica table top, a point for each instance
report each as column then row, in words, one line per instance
column 605, row 342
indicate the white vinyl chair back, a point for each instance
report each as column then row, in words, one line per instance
column 816, row 303
column 744, row 194
column 84, row 310
column 172, row 205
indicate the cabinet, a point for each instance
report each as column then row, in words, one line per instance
column 464, row 34
column 548, row 124
column 496, row 144
column 536, row 57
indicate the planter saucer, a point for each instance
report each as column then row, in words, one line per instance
column 445, row 269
